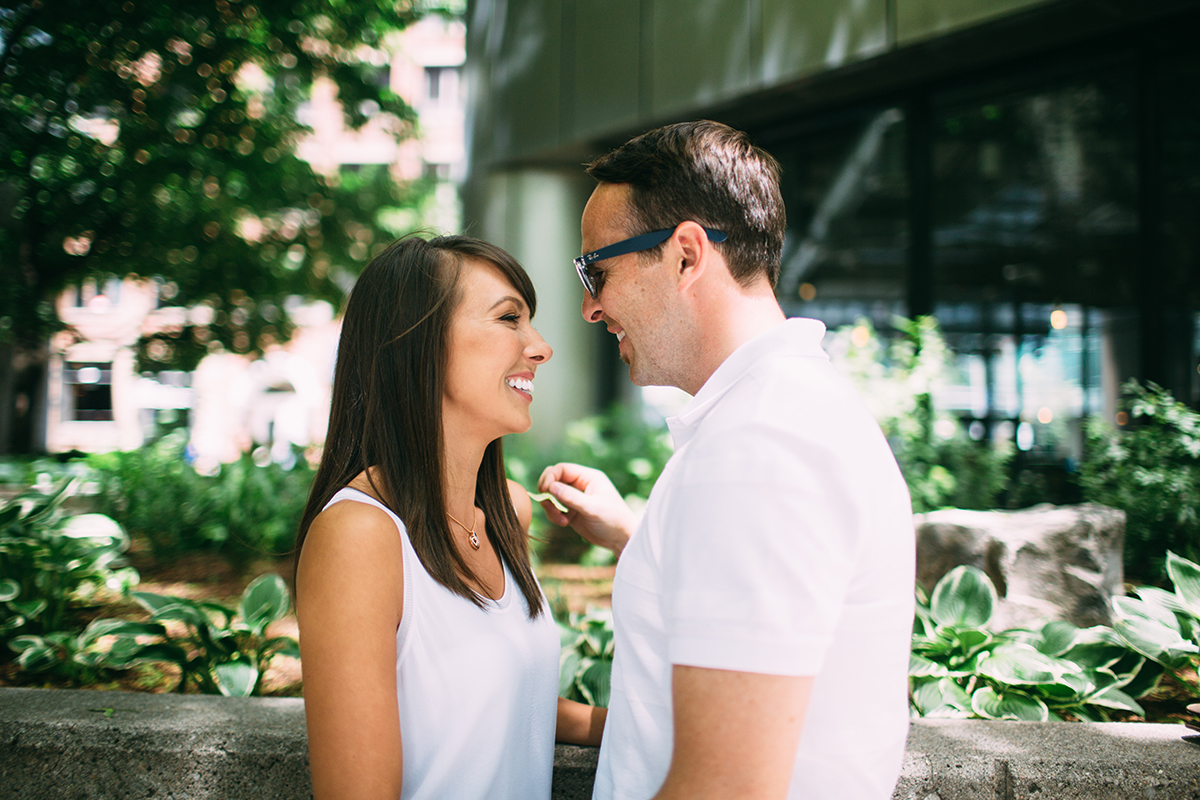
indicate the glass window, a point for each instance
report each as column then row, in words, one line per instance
column 1035, row 247
column 1177, row 87
column 846, row 193
column 87, row 392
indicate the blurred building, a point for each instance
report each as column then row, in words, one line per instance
column 94, row 399
column 1026, row 170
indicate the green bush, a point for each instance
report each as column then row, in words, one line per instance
column 220, row 651
column 49, row 564
column 898, row 381
column 1151, row 470
column 243, row 511
column 961, row 668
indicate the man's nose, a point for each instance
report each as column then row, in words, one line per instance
column 592, row 311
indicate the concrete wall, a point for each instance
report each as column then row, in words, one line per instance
column 549, row 77
column 82, row 744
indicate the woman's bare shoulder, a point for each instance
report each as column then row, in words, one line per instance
column 350, row 546
column 521, row 504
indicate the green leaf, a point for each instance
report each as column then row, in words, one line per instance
column 964, row 597
column 123, row 653
column 989, row 704
column 921, row 667
column 121, row 627
column 264, row 601
column 1056, row 638
column 20, row 644
column 567, row 636
column 1186, row 577
column 236, row 678
column 171, row 653
column 568, row 667
column 1023, row 665
column 941, row 698
column 544, row 496
column 153, row 602
column 1112, row 697
column 184, row 612
column 9, row 589
column 29, row 608
column 599, row 639
column 596, row 683
column 1095, row 655
column 1152, row 631
column 1164, row 601
column 1142, row 680
column 284, row 646
column 38, row 658
column 98, row 527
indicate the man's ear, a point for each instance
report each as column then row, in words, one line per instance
column 693, row 249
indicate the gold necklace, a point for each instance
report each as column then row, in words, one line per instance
column 470, row 531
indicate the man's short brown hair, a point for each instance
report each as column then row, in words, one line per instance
column 709, row 173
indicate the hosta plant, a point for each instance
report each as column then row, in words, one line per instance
column 585, row 667
column 1165, row 626
column 52, row 564
column 960, row 667
column 221, row 650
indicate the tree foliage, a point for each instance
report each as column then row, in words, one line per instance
column 159, row 140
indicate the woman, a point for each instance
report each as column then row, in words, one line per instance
column 430, row 660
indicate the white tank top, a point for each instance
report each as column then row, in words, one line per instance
column 477, row 688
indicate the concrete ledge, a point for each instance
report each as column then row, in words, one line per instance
column 117, row 745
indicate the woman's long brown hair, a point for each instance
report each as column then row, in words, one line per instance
column 386, row 408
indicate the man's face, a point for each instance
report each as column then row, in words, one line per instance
column 637, row 301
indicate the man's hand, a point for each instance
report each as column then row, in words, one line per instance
column 595, row 510
column 736, row 734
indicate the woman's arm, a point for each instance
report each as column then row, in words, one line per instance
column 349, row 601
column 579, row 723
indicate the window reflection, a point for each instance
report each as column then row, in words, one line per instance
column 1034, row 252
column 846, row 194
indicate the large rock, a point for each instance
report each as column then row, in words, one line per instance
column 1047, row 562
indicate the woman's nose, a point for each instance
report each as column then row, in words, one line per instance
column 538, row 349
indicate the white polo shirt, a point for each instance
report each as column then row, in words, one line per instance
column 778, row 540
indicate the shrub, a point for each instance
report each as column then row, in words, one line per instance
column 1151, row 470
column 898, row 383
column 242, row 511
column 961, row 668
column 49, row 563
column 155, row 494
column 221, row 650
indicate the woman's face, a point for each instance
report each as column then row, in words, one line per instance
column 494, row 352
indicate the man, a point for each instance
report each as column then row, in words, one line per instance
column 763, row 607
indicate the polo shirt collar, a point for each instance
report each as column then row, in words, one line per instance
column 798, row 336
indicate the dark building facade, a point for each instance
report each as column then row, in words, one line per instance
column 1027, row 172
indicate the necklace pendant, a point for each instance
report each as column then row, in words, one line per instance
column 474, row 540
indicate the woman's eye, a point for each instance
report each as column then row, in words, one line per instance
column 511, row 318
